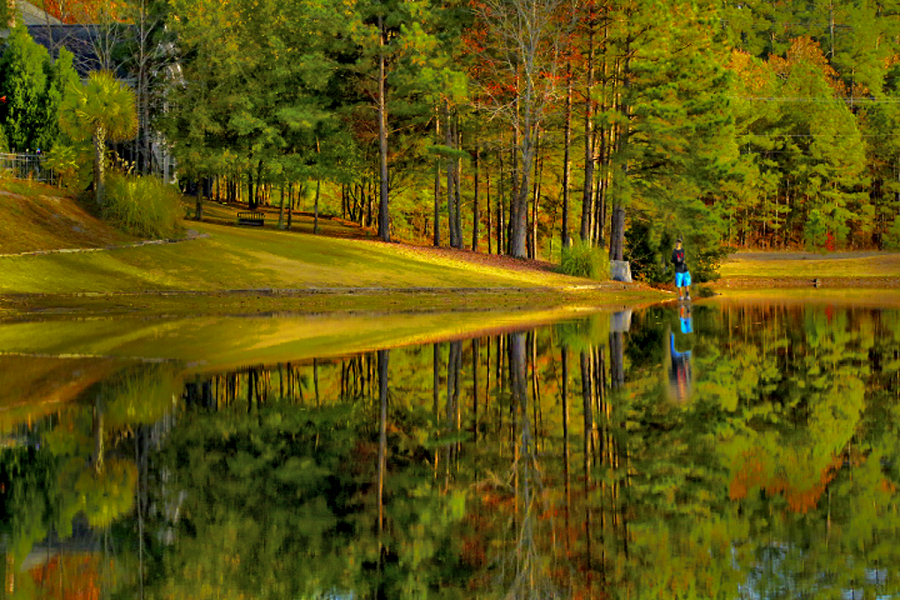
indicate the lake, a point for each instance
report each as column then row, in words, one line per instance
column 728, row 450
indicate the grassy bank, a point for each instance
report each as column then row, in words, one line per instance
column 222, row 269
column 805, row 266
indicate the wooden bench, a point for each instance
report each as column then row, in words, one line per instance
column 251, row 218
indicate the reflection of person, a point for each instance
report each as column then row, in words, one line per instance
column 680, row 373
column 687, row 323
column 682, row 275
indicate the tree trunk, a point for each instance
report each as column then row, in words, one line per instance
column 260, row 189
column 536, row 200
column 487, row 201
column 617, row 223
column 501, row 247
column 567, row 146
column 588, row 189
column 475, row 209
column 99, row 164
column 251, row 198
column 450, row 169
column 617, row 233
column 281, row 210
column 316, row 207
column 457, row 178
column 384, row 226
column 518, row 210
column 290, row 212
column 437, row 186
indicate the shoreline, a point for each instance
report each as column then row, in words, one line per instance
column 254, row 302
column 881, row 282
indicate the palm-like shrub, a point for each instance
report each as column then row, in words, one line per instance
column 102, row 110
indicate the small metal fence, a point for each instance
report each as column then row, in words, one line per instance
column 26, row 166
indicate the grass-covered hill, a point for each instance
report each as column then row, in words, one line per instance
column 222, row 267
column 36, row 217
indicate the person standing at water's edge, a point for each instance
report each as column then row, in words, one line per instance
column 682, row 275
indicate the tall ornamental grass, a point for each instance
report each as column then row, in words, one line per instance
column 142, row 206
column 582, row 260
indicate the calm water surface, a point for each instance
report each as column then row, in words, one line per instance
column 731, row 451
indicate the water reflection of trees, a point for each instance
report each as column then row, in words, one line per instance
column 63, row 489
column 542, row 464
column 614, row 490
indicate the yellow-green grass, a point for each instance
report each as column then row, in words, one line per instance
column 791, row 265
column 286, row 270
column 248, row 258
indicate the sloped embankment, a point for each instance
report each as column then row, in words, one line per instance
column 36, row 217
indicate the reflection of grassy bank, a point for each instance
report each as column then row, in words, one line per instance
column 35, row 386
column 861, row 297
column 208, row 343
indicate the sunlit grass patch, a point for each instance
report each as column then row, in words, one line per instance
column 773, row 266
column 245, row 258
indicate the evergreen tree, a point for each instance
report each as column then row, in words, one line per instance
column 23, row 83
column 675, row 134
column 61, row 75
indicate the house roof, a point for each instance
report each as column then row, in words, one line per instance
column 85, row 42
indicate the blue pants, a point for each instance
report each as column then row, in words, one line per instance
column 683, row 279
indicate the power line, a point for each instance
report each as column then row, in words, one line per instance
column 814, row 135
column 861, row 100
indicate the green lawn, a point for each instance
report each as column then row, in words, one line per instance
column 233, row 258
column 230, row 270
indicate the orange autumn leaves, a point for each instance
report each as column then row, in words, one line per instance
column 800, row 482
column 82, row 11
column 757, row 76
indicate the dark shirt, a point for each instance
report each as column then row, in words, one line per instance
column 678, row 260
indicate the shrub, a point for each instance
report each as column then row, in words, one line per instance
column 142, row 206
column 891, row 238
column 582, row 260
column 72, row 164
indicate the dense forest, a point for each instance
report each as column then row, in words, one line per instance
column 524, row 126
